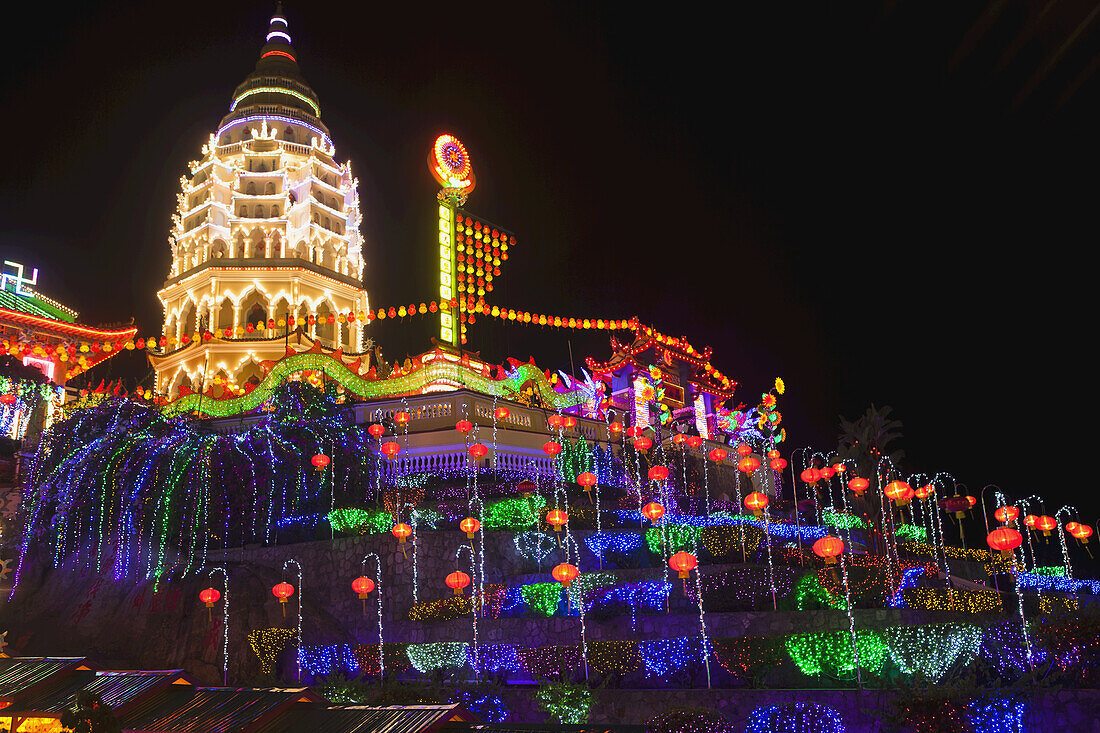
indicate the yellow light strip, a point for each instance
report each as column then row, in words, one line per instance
column 276, row 90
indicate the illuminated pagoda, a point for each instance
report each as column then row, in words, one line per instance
column 265, row 240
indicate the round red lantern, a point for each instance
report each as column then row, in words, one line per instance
column 858, row 485
column 971, row 501
column 319, row 461
column 923, row 492
column 469, row 525
column 634, row 431
column 744, row 449
column 464, row 426
column 899, row 492
column 457, row 581
column 282, row 591
column 748, row 464
column 502, row 413
column 526, row 487
column 478, row 450
column 615, row 427
column 209, row 596
column 569, row 421
column 956, row 504
column 653, row 511
column 756, row 501
column 658, row 473
column 777, row 464
column 362, row 585
column 1045, row 524
column 827, row 473
column 1004, row 539
column 773, row 454
column 390, row 449
column 402, row 418
column 679, row 439
column 643, row 443
column 556, row 518
column 551, row 448
column 1030, row 520
column 811, row 475
column 839, row 467
column 694, row 442
column 1082, row 532
column 401, row 531
column 683, row 563
column 828, row 548
column 565, row 573
column 8, row 399
column 587, row 480
column 555, row 421
column 1006, row 514
column 376, row 430
column 718, row 454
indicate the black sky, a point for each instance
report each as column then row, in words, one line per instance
column 880, row 202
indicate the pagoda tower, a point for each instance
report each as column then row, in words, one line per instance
column 265, row 242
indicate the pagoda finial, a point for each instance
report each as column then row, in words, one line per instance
column 278, row 27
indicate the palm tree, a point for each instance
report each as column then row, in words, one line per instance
column 868, row 438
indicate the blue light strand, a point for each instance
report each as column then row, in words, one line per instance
column 997, row 715
column 795, row 717
column 666, row 656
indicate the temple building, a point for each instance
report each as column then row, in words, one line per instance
column 265, row 241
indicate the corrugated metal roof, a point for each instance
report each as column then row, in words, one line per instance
column 325, row 718
column 20, row 674
column 212, row 710
column 116, row 689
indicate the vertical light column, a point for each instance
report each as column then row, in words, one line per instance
column 447, row 329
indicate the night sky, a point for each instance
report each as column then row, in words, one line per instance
column 881, row 203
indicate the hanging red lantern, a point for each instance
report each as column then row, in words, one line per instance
column 756, row 501
column 642, row 443
column 401, row 531
column 971, row 501
column 319, row 461
column 1081, row 532
column 718, row 454
column 811, row 475
column 679, row 439
column 658, row 473
column 8, row 399
column 402, row 418
column 501, row 413
column 778, row 464
column 209, row 596
column 653, row 511
column 828, row 548
column 958, row 505
column 683, row 563
column 362, row 585
column 773, row 454
column 744, row 449
column 555, row 421
column 827, row 473
column 1045, row 524
column 1030, row 520
column 556, row 518
column 634, row 431
column 923, row 492
column 587, row 480
column 565, row 573
column 551, row 448
column 748, row 464
column 469, row 525
column 1006, row 514
column 526, row 487
column 899, row 492
column 1004, row 539
column 390, row 449
column 569, row 421
column 694, row 442
column 457, row 581
column 282, row 591
column 615, row 427
column 376, row 430
column 839, row 468
column 464, row 426
column 478, row 450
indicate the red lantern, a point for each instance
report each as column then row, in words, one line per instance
column 526, row 487
column 658, row 473
column 634, row 431
column 1004, row 539
column 457, row 581
column 551, row 448
column 778, row 464
column 501, row 413
column 956, row 504
column 756, row 501
column 924, row 492
column 376, row 430
column 401, row 417
column 827, row 473
column 555, row 421
column 971, row 501
column 569, row 421
column 587, row 480
column 556, row 518
column 209, row 596
column 615, row 427
column 1030, row 520
column 744, row 449
column 401, row 531
column 748, row 464
column 1082, row 532
column 362, row 585
column 683, row 563
column 565, row 573
column 320, row 461
column 1045, row 524
column 811, row 475
column 773, row 454
column 653, row 511
column 679, row 439
column 643, row 443
column 839, row 467
column 899, row 492
column 828, row 548
column 8, row 399
column 464, row 426
column 718, row 454
column 478, row 450
column 282, row 591
column 469, row 525
column 390, row 449
column 1006, row 514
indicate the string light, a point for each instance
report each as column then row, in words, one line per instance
column 932, row 650
column 614, row 657
column 803, row 717
column 436, row 656
column 268, row 644
column 831, row 652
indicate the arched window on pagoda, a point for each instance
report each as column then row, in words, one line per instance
column 225, row 314
column 269, row 189
column 251, row 188
column 260, row 212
